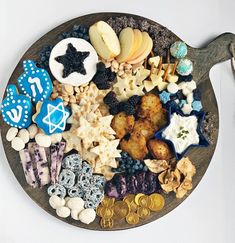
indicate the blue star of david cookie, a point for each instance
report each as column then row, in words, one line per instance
column 35, row 82
column 16, row 108
column 52, row 116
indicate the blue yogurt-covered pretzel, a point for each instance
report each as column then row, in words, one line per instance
column 35, row 82
column 16, row 108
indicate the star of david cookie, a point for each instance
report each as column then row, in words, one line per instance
column 16, row 108
column 35, row 82
column 51, row 116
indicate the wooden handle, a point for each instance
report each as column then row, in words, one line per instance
column 217, row 51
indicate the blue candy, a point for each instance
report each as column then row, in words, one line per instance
column 182, row 103
column 178, row 49
column 16, row 108
column 35, row 82
column 52, row 116
column 164, row 97
column 197, row 105
column 184, row 67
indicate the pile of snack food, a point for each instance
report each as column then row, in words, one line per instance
column 104, row 119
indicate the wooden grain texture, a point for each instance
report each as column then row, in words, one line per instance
column 203, row 59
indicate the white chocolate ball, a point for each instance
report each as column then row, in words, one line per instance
column 63, row 212
column 75, row 214
column 87, row 215
column 33, row 130
column 11, row 133
column 75, row 203
column 56, row 138
column 56, row 202
column 24, row 135
column 43, row 140
column 17, row 144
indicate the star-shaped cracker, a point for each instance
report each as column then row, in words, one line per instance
column 105, row 125
column 72, row 141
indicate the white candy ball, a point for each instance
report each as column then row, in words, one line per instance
column 56, row 202
column 75, row 203
column 63, row 212
column 56, row 138
column 33, row 130
column 187, row 109
column 24, row 135
column 182, row 85
column 17, row 143
column 75, row 214
column 43, row 140
column 172, row 88
column 11, row 133
column 87, row 215
column 186, row 91
column 190, row 98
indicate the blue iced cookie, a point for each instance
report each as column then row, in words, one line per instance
column 35, row 82
column 16, row 108
column 178, row 49
column 51, row 116
column 184, row 67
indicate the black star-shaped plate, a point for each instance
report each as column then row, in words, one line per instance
column 73, row 60
column 202, row 140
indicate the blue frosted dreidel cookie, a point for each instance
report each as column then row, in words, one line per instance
column 16, row 108
column 51, row 116
column 35, row 82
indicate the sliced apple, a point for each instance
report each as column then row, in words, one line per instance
column 127, row 40
column 104, row 40
column 138, row 40
column 145, row 53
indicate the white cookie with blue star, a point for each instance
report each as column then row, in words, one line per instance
column 16, row 108
column 51, row 116
column 35, row 82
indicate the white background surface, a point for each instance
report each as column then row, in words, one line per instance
column 208, row 215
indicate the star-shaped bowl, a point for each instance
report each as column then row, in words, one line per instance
column 203, row 142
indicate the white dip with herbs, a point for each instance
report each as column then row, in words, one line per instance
column 182, row 131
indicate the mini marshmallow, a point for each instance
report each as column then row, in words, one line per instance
column 87, row 215
column 24, row 135
column 56, row 202
column 11, row 133
column 172, row 88
column 17, row 143
column 63, row 212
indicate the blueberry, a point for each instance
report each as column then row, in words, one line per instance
column 76, row 27
column 43, row 58
column 75, row 34
column 48, row 53
column 145, row 168
column 80, row 35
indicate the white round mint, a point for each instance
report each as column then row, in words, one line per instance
column 63, row 212
column 190, row 98
column 75, row 203
column 187, row 109
column 74, row 78
column 24, row 135
column 43, row 140
column 17, row 143
column 56, row 137
column 11, row 133
column 33, row 130
column 87, row 215
column 56, row 202
column 172, row 88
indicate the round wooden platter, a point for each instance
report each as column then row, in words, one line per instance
column 203, row 59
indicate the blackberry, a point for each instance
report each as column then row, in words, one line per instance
column 111, row 75
column 121, row 106
column 134, row 100
column 100, row 67
column 187, row 78
column 128, row 108
column 197, row 94
column 99, row 78
column 44, row 55
column 103, row 85
column 110, row 99
column 114, row 110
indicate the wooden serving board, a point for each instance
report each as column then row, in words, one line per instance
column 203, row 59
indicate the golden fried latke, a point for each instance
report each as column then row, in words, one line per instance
column 159, row 149
column 144, row 127
column 135, row 146
column 122, row 124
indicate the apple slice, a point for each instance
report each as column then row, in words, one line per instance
column 145, row 53
column 127, row 41
column 104, row 40
column 138, row 40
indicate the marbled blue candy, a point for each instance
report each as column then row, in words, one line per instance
column 184, row 67
column 178, row 49
column 52, row 116
column 16, row 108
column 35, row 82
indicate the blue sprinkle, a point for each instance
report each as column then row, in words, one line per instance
column 164, row 97
column 197, row 105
